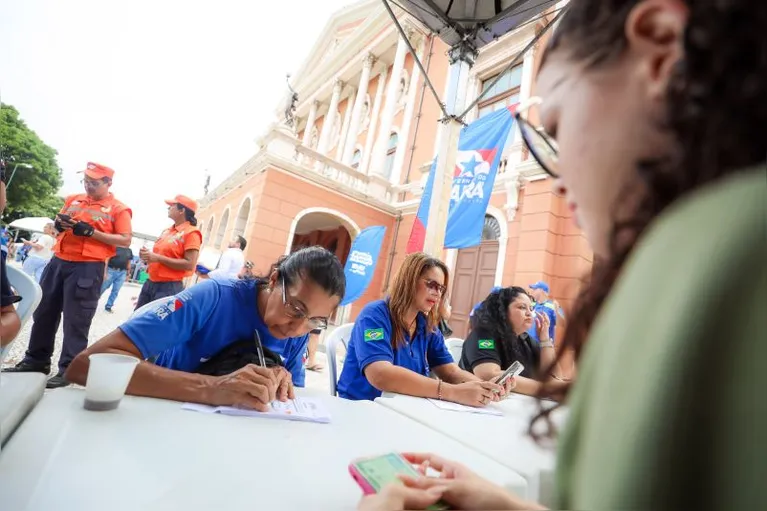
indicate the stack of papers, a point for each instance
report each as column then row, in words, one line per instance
column 302, row 409
column 455, row 407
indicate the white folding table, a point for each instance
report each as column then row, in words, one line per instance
column 502, row 438
column 150, row 454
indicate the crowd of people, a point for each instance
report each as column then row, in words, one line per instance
column 635, row 96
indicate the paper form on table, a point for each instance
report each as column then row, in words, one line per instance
column 455, row 407
column 302, row 409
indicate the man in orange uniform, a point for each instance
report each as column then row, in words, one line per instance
column 174, row 255
column 90, row 226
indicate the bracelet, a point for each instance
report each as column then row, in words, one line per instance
column 559, row 378
column 546, row 344
column 439, row 389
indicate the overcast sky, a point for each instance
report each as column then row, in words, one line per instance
column 158, row 90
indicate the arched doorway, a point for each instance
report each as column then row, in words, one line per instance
column 241, row 223
column 222, row 225
column 327, row 228
column 206, row 239
column 474, row 275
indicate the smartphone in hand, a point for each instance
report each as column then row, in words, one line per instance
column 372, row 474
column 513, row 370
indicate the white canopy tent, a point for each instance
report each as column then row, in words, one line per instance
column 31, row 223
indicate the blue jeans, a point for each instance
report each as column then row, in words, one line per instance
column 115, row 278
column 34, row 266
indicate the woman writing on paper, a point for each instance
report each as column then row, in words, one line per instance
column 499, row 338
column 395, row 343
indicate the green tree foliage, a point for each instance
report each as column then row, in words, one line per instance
column 33, row 191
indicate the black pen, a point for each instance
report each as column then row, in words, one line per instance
column 259, row 349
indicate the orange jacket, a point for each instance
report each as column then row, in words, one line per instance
column 107, row 215
column 173, row 242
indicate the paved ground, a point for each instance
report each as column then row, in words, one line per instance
column 105, row 322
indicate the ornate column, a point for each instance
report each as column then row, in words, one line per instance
column 370, row 137
column 307, row 139
column 387, row 116
column 345, row 127
column 407, row 118
column 359, row 103
column 330, row 118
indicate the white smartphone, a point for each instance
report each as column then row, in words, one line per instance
column 514, row 370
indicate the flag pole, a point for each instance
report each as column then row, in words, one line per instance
column 462, row 57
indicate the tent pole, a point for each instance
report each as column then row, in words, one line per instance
column 462, row 57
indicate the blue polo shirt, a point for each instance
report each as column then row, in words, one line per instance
column 550, row 310
column 371, row 342
column 189, row 328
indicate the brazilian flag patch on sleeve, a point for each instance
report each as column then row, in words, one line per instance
column 486, row 344
column 374, row 334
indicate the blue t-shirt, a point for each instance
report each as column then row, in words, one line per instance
column 550, row 310
column 371, row 342
column 189, row 328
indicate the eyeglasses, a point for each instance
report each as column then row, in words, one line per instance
column 435, row 286
column 295, row 312
column 541, row 145
column 92, row 182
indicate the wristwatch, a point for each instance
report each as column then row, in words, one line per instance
column 546, row 344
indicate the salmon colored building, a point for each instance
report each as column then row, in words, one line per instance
column 365, row 133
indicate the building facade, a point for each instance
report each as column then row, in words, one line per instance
column 365, row 134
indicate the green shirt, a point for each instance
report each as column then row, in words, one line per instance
column 669, row 409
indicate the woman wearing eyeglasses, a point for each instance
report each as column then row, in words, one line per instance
column 395, row 343
column 499, row 337
column 199, row 324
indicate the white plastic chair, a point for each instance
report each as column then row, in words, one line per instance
column 339, row 335
column 31, row 294
column 455, row 347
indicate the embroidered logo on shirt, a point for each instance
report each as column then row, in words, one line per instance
column 486, row 344
column 374, row 334
column 164, row 310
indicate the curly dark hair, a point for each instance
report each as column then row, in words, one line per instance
column 492, row 317
column 716, row 111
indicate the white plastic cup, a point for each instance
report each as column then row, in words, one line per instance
column 108, row 377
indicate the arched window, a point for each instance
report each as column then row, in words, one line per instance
column 391, row 151
column 491, row 230
column 209, row 231
column 222, row 225
column 242, row 219
column 356, row 157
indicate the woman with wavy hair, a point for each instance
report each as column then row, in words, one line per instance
column 652, row 120
column 395, row 343
column 499, row 337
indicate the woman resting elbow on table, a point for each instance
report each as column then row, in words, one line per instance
column 499, row 338
column 395, row 343
column 185, row 331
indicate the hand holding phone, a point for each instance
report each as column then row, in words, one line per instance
column 512, row 371
column 373, row 474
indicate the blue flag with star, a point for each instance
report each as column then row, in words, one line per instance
column 480, row 146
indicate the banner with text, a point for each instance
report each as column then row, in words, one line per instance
column 361, row 263
column 479, row 153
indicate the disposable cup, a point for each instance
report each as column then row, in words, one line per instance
column 108, row 377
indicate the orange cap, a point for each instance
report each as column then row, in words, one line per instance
column 98, row 171
column 184, row 201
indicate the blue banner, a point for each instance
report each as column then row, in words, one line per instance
column 479, row 153
column 361, row 263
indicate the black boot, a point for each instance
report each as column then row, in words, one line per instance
column 25, row 366
column 56, row 382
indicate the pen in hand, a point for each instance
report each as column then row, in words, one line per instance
column 259, row 349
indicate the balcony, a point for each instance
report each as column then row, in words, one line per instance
column 280, row 149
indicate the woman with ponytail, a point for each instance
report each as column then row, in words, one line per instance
column 174, row 254
column 651, row 118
